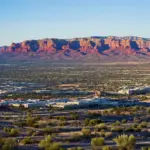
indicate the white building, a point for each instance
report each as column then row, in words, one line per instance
column 3, row 91
column 33, row 105
column 135, row 90
column 85, row 102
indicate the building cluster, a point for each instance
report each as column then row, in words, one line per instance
column 59, row 103
column 19, row 87
column 135, row 90
column 86, row 102
column 38, row 88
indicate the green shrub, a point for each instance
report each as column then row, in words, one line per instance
column 30, row 132
column 93, row 122
column 86, row 132
column 143, row 124
column 48, row 130
column 62, row 118
column 108, row 134
column 117, row 129
column 86, row 121
column 124, row 121
column 97, row 141
column 145, row 148
column 27, row 140
column 14, row 132
column 134, row 125
column 101, row 126
column 74, row 116
column 148, row 110
column 138, row 129
column 125, row 142
column 30, row 121
column 75, row 148
column 106, row 148
column 9, row 144
column 54, row 146
column 48, row 144
column 34, row 134
column 7, row 129
column 117, row 123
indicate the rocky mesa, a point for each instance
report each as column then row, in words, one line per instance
column 100, row 46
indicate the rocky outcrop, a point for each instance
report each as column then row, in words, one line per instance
column 82, row 46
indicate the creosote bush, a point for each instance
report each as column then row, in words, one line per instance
column 125, row 142
column 97, row 142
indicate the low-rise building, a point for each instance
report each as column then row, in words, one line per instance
column 134, row 90
column 3, row 91
column 33, row 105
column 15, row 104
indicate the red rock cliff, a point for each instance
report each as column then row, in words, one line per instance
column 99, row 45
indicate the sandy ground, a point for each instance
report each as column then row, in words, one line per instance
column 146, row 101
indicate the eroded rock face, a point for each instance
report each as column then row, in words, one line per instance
column 82, row 46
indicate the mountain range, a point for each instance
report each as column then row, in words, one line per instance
column 90, row 48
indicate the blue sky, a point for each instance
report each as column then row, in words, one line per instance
column 36, row 19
